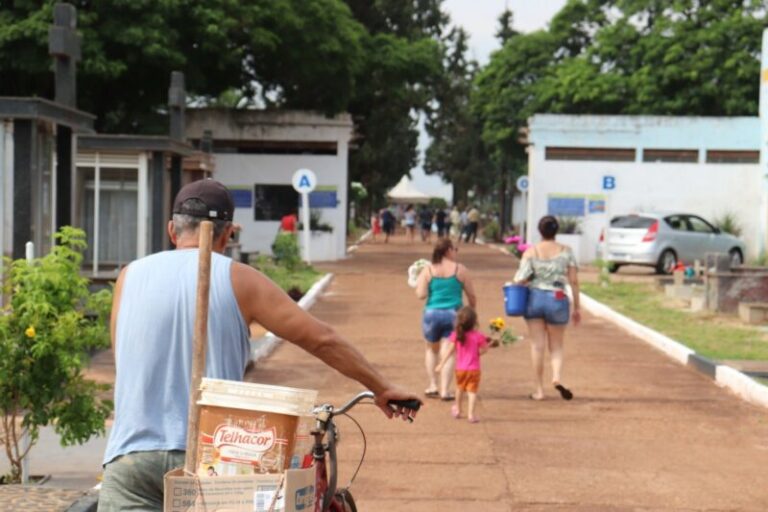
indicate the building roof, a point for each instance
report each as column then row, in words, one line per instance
column 137, row 143
column 40, row 108
column 662, row 132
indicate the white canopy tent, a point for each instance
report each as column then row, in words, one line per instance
column 405, row 192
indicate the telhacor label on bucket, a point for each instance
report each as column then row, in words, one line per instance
column 250, row 428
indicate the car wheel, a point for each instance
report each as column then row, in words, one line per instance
column 667, row 262
column 613, row 267
column 736, row 257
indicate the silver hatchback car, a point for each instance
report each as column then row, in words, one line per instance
column 661, row 240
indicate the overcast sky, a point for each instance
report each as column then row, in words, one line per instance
column 479, row 19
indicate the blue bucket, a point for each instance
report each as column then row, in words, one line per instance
column 515, row 299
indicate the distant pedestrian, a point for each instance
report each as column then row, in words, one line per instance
column 455, row 218
column 425, row 220
column 440, row 217
column 473, row 217
column 464, row 225
column 442, row 283
column 375, row 226
column 547, row 267
column 387, row 223
column 469, row 344
column 410, row 222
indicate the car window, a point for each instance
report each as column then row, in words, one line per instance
column 632, row 222
column 676, row 222
column 699, row 225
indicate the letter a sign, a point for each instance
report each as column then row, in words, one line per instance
column 304, row 181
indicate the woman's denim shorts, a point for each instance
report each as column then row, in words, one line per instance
column 438, row 324
column 543, row 304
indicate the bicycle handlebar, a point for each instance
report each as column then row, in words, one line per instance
column 414, row 404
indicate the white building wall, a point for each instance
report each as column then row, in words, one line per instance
column 243, row 171
column 705, row 189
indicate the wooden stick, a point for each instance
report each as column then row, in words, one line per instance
column 199, row 342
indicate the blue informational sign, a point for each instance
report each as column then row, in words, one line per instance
column 323, row 199
column 596, row 206
column 566, row 206
column 609, row 182
column 242, row 198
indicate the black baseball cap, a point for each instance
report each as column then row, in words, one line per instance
column 214, row 195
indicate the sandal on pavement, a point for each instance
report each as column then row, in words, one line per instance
column 449, row 398
column 564, row 392
column 533, row 397
column 455, row 411
column 474, row 419
column 431, row 393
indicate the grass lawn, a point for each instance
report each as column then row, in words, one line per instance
column 302, row 277
column 706, row 333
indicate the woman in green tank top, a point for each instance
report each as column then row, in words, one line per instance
column 443, row 284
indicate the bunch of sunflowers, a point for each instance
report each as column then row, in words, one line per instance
column 500, row 335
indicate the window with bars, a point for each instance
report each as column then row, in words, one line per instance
column 591, row 154
column 725, row 156
column 671, row 155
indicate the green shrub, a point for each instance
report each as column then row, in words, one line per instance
column 285, row 250
column 48, row 325
column 569, row 225
column 491, row 231
column 728, row 223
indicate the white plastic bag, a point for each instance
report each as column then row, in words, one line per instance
column 414, row 270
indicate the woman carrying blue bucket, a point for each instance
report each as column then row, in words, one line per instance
column 546, row 268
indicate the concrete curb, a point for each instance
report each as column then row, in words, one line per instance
column 264, row 346
column 724, row 376
column 352, row 248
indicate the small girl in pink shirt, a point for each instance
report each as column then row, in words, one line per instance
column 468, row 343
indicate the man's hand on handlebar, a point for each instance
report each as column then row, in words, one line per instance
column 398, row 403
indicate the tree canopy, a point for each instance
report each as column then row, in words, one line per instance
column 687, row 57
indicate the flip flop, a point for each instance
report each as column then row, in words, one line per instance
column 533, row 397
column 455, row 411
column 564, row 392
column 474, row 419
column 449, row 398
column 432, row 394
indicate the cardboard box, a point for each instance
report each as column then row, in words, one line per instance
column 247, row 493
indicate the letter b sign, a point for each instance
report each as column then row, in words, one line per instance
column 609, row 182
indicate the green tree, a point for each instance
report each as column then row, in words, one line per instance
column 47, row 328
column 402, row 61
column 456, row 153
column 297, row 53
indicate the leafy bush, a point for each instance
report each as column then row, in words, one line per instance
column 285, row 250
column 49, row 324
column 295, row 281
column 569, row 225
column 491, row 231
column 728, row 223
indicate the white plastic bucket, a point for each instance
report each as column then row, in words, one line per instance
column 248, row 428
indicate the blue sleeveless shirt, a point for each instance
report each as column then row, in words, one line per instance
column 153, row 354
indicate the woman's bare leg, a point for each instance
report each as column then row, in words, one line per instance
column 537, row 332
column 556, row 335
column 447, row 373
column 430, row 360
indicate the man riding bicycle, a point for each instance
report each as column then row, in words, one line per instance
column 151, row 329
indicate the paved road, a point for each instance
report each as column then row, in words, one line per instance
column 643, row 434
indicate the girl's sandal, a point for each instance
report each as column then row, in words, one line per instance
column 455, row 411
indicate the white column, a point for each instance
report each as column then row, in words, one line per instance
column 2, row 194
column 342, row 152
column 143, row 206
column 96, row 206
column 763, row 215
